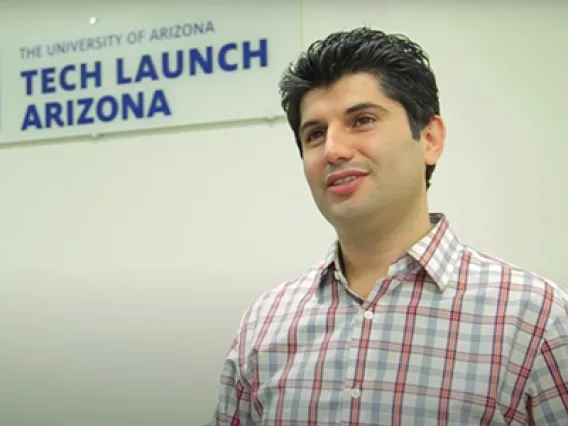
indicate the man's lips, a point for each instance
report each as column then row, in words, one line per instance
column 345, row 182
column 342, row 176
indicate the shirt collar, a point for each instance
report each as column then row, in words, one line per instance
column 437, row 253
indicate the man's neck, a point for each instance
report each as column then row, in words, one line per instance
column 368, row 253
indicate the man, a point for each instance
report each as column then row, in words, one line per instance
column 401, row 324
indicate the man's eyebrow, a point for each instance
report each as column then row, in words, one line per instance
column 364, row 105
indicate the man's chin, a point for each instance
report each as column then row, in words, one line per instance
column 347, row 211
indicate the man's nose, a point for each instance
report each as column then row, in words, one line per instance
column 338, row 145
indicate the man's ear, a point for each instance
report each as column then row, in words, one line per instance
column 433, row 138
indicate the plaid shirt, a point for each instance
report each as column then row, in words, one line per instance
column 450, row 337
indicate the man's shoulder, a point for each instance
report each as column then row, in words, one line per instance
column 287, row 294
column 294, row 287
column 490, row 270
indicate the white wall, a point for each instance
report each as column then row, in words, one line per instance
column 126, row 262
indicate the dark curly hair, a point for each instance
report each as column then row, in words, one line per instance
column 401, row 66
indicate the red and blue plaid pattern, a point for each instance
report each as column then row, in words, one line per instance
column 451, row 337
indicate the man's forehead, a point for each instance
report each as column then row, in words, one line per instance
column 348, row 90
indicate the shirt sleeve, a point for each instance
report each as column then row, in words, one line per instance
column 547, row 399
column 234, row 396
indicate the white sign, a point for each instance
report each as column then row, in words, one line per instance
column 195, row 64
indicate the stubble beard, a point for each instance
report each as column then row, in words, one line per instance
column 352, row 212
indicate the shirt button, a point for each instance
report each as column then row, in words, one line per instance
column 368, row 315
column 355, row 393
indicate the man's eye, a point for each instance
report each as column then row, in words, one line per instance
column 365, row 119
column 314, row 135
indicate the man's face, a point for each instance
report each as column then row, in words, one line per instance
column 351, row 130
